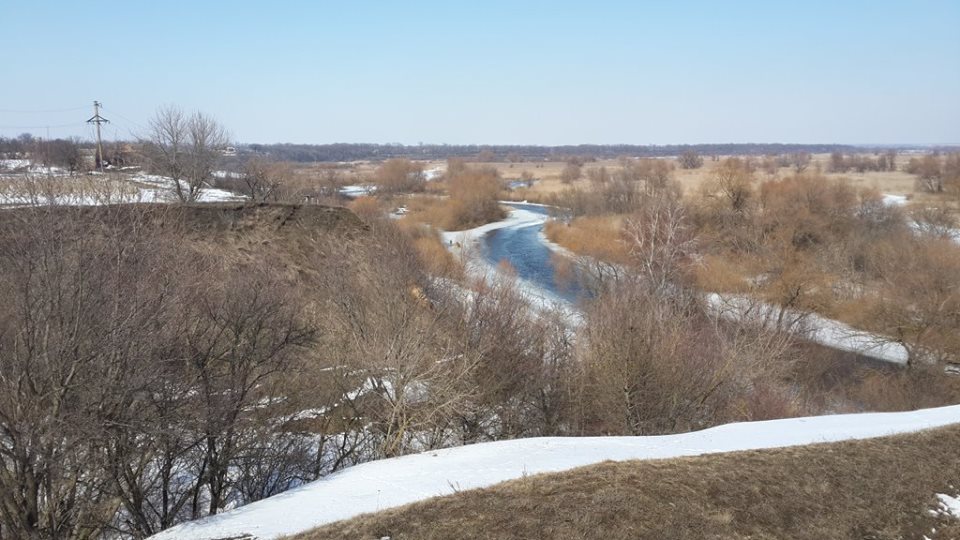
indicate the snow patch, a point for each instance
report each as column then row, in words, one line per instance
column 890, row 199
column 810, row 326
column 948, row 505
column 357, row 190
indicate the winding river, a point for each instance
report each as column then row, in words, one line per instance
column 523, row 248
column 519, row 241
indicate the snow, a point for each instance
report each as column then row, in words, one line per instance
column 516, row 219
column 98, row 190
column 26, row 165
column 890, row 199
column 13, row 164
column 160, row 188
column 816, row 328
column 357, row 190
column 949, row 505
column 398, row 481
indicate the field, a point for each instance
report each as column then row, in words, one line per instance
column 548, row 175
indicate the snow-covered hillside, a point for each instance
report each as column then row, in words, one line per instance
column 394, row 482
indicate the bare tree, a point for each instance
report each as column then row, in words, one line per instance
column 800, row 161
column 929, row 174
column 919, row 304
column 731, row 184
column 185, row 148
column 661, row 242
column 78, row 319
column 690, row 160
column 570, row 173
column 262, row 179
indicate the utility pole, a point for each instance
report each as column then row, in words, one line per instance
column 97, row 119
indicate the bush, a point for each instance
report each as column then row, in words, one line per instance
column 399, row 175
column 690, row 160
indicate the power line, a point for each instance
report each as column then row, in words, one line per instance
column 20, row 111
column 113, row 112
column 44, row 126
column 96, row 120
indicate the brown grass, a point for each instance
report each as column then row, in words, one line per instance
column 838, row 381
column 595, row 236
column 874, row 489
column 548, row 175
column 721, row 274
column 436, row 258
column 444, row 213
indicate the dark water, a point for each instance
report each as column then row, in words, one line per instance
column 527, row 255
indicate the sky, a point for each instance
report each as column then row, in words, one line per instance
column 490, row 72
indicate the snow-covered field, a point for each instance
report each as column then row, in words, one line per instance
column 394, row 482
column 95, row 190
column 14, row 164
column 160, row 188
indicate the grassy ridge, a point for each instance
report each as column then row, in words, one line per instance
column 873, row 489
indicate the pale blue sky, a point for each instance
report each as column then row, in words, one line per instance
column 494, row 72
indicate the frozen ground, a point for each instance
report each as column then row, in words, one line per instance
column 394, row 482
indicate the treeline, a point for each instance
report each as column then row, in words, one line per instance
column 70, row 154
column 840, row 163
column 64, row 153
column 355, row 152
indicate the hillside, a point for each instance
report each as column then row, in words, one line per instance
column 394, row 482
column 287, row 237
column 878, row 489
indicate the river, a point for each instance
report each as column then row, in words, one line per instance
column 523, row 248
column 519, row 241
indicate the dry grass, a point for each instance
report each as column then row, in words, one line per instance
column 838, row 381
column 436, row 258
column 547, row 174
column 595, row 236
column 875, row 489
column 445, row 213
column 721, row 274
